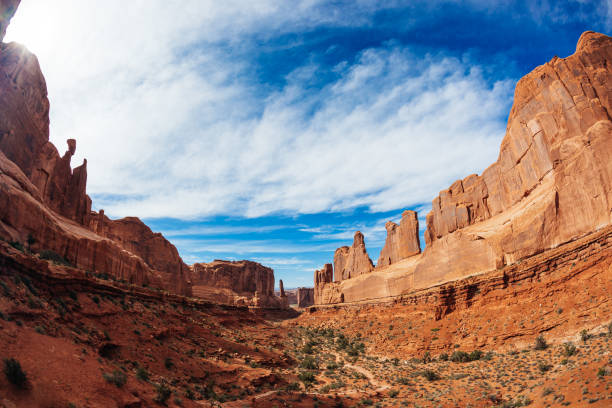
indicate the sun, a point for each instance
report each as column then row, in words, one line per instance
column 38, row 25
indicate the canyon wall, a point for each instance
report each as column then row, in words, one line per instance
column 402, row 240
column 305, row 297
column 44, row 200
column 551, row 183
column 237, row 282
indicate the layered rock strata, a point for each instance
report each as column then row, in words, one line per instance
column 402, row 240
column 44, row 200
column 238, row 282
column 551, row 184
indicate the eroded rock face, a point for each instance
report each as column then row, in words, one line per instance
column 402, row 240
column 237, row 282
column 136, row 237
column 551, row 183
column 44, row 200
column 24, row 135
column 559, row 125
column 353, row 261
column 324, row 289
column 305, row 297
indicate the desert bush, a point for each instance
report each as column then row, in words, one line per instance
column 393, row 393
column 569, row 349
column 430, row 375
column 117, row 377
column 168, row 363
column 584, row 335
column 443, row 357
column 142, row 374
column 163, row 393
column 459, row 356
column 544, row 367
column 540, row 343
column 306, row 377
column 309, row 363
column 14, row 373
column 54, row 257
column 17, row 245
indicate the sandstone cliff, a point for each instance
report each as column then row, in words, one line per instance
column 305, row 297
column 44, row 199
column 402, row 240
column 352, row 261
column 552, row 183
column 236, row 282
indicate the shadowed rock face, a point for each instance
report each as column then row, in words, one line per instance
column 44, row 200
column 402, row 240
column 305, row 297
column 352, row 261
column 551, row 183
column 236, row 282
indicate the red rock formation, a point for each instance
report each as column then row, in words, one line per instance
column 402, row 240
column 284, row 300
column 551, row 184
column 136, row 237
column 324, row 291
column 305, row 297
column 235, row 282
column 44, row 199
column 559, row 127
column 353, row 261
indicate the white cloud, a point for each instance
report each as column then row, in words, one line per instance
column 173, row 122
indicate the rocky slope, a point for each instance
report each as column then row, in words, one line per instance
column 552, row 183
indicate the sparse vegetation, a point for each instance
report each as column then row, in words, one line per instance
column 540, row 343
column 117, row 377
column 14, row 373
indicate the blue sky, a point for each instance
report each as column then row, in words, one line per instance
column 272, row 130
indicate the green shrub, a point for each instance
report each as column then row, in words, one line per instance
column 459, row 356
column 430, row 375
column 17, row 245
column 142, row 374
column 443, row 357
column 117, row 377
column 475, row 355
column 14, row 373
column 540, row 343
column 306, row 377
column 584, row 335
column 163, row 393
column 569, row 349
column 544, row 367
column 309, row 363
column 54, row 257
column 393, row 393
column 602, row 372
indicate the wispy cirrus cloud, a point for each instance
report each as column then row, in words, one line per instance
column 198, row 109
